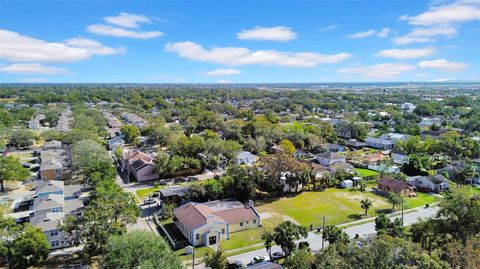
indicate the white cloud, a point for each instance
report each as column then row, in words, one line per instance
column 127, row 20
column 403, row 54
column 423, row 35
column 362, row 34
column 223, row 81
column 32, row 68
column 34, row 80
column 443, row 65
column 442, row 80
column 244, row 56
column 94, row 47
column 378, row 71
column 382, row 33
column 108, row 30
column 19, row 48
column 16, row 47
column 444, row 14
column 224, row 72
column 328, row 28
column 279, row 33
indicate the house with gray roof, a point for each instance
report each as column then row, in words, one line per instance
column 51, row 204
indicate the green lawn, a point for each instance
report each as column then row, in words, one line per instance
column 250, row 237
column 337, row 205
column 420, row 200
column 144, row 193
column 199, row 254
column 362, row 172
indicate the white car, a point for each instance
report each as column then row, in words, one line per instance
column 259, row 259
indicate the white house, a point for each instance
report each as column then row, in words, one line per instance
column 246, row 157
column 34, row 124
column 328, row 158
column 398, row 156
column 435, row 183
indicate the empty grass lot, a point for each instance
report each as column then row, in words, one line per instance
column 420, row 200
column 337, row 205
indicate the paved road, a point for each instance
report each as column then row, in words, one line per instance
column 315, row 239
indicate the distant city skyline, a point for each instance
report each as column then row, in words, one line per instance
column 239, row 41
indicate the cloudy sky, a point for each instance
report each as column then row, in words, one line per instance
column 239, row 41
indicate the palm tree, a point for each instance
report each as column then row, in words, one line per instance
column 366, row 204
column 268, row 239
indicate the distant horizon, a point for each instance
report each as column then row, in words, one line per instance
column 220, row 42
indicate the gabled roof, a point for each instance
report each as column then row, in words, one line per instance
column 230, row 211
column 48, row 202
column 50, row 186
column 330, row 155
column 394, row 183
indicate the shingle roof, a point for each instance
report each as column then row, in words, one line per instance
column 394, row 183
column 48, row 202
column 50, row 186
column 194, row 215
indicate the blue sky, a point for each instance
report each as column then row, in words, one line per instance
column 239, row 41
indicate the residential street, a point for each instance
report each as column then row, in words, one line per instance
column 315, row 240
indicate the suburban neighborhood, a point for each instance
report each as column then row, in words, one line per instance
column 214, row 134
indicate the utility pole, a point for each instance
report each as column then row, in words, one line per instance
column 402, row 209
column 323, row 232
column 193, row 252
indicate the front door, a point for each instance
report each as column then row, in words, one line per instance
column 212, row 240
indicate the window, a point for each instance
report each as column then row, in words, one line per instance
column 197, row 237
column 241, row 224
column 223, row 231
column 56, row 209
column 55, row 243
column 53, row 232
column 254, row 221
column 247, row 221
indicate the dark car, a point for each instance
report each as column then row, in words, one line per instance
column 278, row 255
column 234, row 264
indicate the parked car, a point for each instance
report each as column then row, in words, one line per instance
column 149, row 201
column 180, row 179
column 234, row 264
column 278, row 255
column 258, row 259
column 192, row 178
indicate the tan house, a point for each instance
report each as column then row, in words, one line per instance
column 54, row 165
column 139, row 165
column 205, row 224
column 399, row 187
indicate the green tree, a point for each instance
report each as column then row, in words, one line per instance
column 287, row 146
column 394, row 199
column 300, row 259
column 383, row 225
column 10, row 170
column 131, row 133
column 215, row 259
column 22, row 138
column 139, row 249
column 22, row 245
column 335, row 235
column 108, row 213
column 285, row 235
column 366, row 204
column 268, row 238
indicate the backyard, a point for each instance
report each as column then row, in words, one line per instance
column 362, row 172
